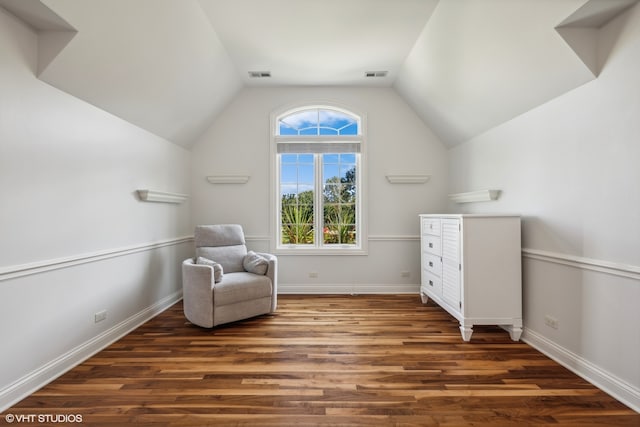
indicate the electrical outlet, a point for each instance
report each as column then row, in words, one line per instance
column 551, row 321
column 405, row 274
column 100, row 316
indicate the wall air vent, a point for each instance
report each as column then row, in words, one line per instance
column 259, row 74
column 375, row 73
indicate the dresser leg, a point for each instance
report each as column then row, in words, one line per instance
column 424, row 297
column 515, row 331
column 466, row 331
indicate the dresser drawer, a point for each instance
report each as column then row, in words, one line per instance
column 431, row 226
column 431, row 284
column 432, row 264
column 432, row 244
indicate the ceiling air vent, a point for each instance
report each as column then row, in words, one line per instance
column 375, row 73
column 259, row 74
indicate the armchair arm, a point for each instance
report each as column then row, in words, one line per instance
column 197, row 293
column 272, row 273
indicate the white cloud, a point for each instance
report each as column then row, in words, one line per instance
column 309, row 118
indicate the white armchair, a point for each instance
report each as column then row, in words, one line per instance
column 224, row 283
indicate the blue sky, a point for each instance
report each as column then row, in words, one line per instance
column 318, row 122
column 297, row 175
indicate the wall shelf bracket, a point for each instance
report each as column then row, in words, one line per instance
column 161, row 196
column 228, row 179
column 475, row 196
column 407, row 179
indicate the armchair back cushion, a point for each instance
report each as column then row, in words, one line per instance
column 223, row 244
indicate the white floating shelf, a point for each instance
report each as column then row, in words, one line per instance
column 475, row 196
column 408, row 179
column 228, row 179
column 161, row 196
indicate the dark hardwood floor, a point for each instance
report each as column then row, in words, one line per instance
column 323, row 360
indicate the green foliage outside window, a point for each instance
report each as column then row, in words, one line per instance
column 339, row 213
column 297, row 218
column 340, row 209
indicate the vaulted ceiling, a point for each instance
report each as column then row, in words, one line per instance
column 170, row 66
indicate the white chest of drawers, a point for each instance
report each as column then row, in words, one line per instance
column 471, row 267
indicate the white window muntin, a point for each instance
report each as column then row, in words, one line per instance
column 318, row 206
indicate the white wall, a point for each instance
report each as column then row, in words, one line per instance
column 74, row 238
column 397, row 142
column 570, row 167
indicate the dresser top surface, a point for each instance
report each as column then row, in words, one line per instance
column 479, row 215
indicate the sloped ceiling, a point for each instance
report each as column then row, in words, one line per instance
column 328, row 42
column 581, row 30
column 54, row 33
column 478, row 64
column 155, row 63
column 170, row 66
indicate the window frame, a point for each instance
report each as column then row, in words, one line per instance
column 318, row 247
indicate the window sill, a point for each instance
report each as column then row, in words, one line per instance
column 340, row 251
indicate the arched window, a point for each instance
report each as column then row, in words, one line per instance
column 319, row 121
column 318, row 180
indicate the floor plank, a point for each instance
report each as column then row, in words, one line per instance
column 324, row 360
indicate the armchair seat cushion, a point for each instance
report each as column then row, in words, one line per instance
column 241, row 286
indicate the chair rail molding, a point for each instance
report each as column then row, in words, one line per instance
column 372, row 238
column 393, row 238
column 15, row 271
column 601, row 266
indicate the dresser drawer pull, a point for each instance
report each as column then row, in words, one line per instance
column 430, row 264
column 431, row 245
column 430, row 282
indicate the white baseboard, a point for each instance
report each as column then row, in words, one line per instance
column 347, row 288
column 28, row 384
column 619, row 389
